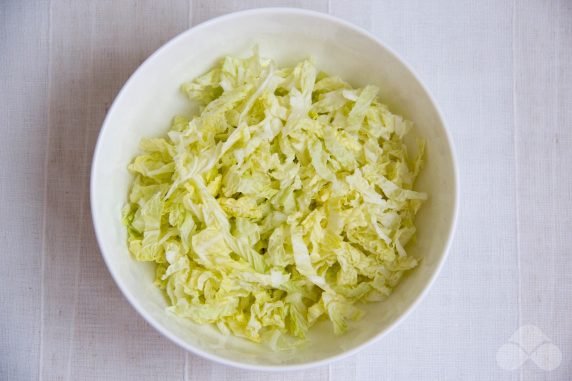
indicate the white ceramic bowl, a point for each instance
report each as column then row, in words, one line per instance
column 150, row 98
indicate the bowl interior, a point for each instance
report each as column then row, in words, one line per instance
column 151, row 97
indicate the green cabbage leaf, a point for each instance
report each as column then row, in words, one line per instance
column 287, row 200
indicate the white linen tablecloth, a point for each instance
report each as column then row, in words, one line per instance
column 500, row 70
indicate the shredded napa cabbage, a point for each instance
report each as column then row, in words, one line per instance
column 288, row 199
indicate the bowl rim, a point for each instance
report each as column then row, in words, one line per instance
column 269, row 367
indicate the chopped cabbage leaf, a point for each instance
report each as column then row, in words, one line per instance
column 287, row 200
